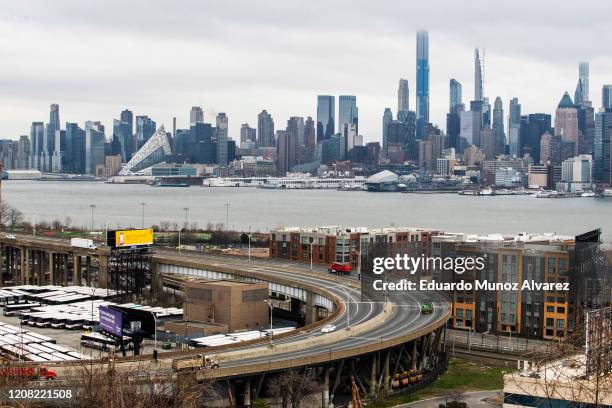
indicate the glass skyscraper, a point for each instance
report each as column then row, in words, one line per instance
column 422, row 85
column 326, row 107
column 347, row 111
column 455, row 98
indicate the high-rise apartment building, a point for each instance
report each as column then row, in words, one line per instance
column 422, row 81
column 514, row 128
column 387, row 118
column 403, row 96
column 583, row 74
column 455, row 95
column 265, row 129
column 222, row 139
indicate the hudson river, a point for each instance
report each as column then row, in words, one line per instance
column 261, row 209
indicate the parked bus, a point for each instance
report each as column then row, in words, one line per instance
column 13, row 310
column 101, row 342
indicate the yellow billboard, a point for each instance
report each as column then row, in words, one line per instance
column 132, row 238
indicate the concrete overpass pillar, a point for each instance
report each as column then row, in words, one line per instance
column 247, row 392
column 325, row 401
column 88, row 269
column 64, row 278
column 76, row 269
column 24, row 265
column 309, row 314
column 413, row 361
column 373, row 372
column 51, row 256
column 102, row 271
column 156, row 281
column 386, row 380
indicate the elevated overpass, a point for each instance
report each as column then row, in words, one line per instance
column 374, row 339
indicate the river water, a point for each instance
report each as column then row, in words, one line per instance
column 119, row 206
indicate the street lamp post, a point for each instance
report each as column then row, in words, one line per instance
column 179, row 238
column 186, row 209
column 227, row 216
column 142, row 215
column 249, row 235
column 269, row 303
column 311, row 243
column 92, row 206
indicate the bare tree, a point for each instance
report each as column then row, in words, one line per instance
column 100, row 385
column 292, row 386
column 14, row 218
column 577, row 369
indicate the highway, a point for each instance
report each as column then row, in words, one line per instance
column 405, row 317
column 374, row 325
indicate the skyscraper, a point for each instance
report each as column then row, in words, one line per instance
column 310, row 136
column 387, row 118
column 478, row 84
column 94, row 147
column 247, row 133
column 265, row 129
column 121, row 131
column 145, row 127
column 602, row 147
column 75, row 148
column 37, row 131
column 606, row 97
column 196, row 115
column 222, row 138
column 326, row 107
column 403, row 96
column 583, row 74
column 578, row 93
column 566, row 119
column 455, row 95
column 498, row 125
column 422, row 70
column 128, row 117
column 285, row 151
column 347, row 112
column 514, row 128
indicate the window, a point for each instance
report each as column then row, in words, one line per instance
column 550, row 309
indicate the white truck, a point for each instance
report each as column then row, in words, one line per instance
column 82, row 243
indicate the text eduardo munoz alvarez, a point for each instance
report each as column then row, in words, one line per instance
column 458, row 265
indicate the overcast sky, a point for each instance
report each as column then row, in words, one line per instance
column 159, row 58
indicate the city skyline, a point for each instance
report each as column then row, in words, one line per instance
column 161, row 91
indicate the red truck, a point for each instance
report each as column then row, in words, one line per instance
column 340, row 268
column 29, row 372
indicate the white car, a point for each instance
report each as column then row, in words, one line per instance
column 328, row 328
column 9, row 236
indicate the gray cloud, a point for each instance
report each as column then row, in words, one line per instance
column 160, row 58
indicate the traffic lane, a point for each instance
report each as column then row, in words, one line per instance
column 403, row 321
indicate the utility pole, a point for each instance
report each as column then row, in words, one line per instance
column 227, row 205
column 143, row 210
column 92, row 206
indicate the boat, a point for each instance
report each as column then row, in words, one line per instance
column 162, row 184
column 588, row 194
